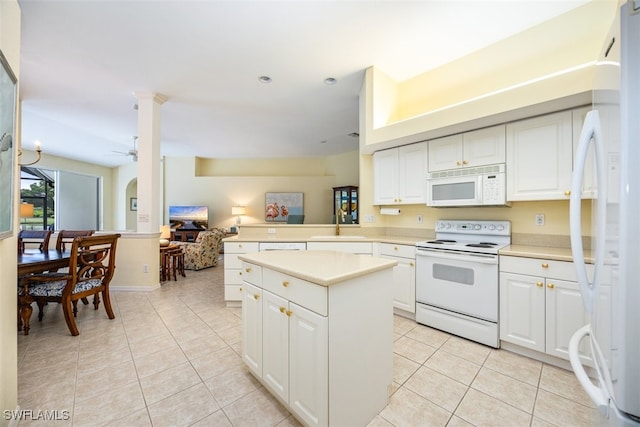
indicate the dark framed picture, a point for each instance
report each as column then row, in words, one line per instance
column 278, row 206
column 133, row 204
column 7, row 147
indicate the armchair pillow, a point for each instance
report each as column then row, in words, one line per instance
column 204, row 252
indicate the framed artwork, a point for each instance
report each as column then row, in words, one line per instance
column 133, row 204
column 7, row 147
column 278, row 206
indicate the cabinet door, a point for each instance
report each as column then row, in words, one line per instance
column 252, row 328
column 385, row 177
column 445, row 153
column 522, row 318
column 540, row 158
column 275, row 344
column 308, row 366
column 404, row 284
column 484, row 146
column 565, row 315
column 412, row 174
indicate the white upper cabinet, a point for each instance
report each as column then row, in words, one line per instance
column 540, row 157
column 400, row 175
column 470, row 149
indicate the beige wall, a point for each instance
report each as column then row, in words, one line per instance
column 10, row 46
column 221, row 184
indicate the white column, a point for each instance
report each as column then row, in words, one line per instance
column 149, row 160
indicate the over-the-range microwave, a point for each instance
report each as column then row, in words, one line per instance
column 479, row 186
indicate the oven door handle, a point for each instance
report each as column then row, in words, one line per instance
column 457, row 256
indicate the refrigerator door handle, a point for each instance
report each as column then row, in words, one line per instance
column 598, row 395
column 590, row 132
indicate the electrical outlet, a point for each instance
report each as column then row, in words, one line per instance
column 145, row 268
column 271, row 230
column 369, row 218
column 419, row 219
column 539, row 219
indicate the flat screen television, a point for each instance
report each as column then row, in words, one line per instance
column 189, row 217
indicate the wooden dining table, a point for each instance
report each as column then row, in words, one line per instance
column 33, row 262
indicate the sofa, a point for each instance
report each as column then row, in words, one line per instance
column 204, row 251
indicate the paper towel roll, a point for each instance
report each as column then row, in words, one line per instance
column 389, row 211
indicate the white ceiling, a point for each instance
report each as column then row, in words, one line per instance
column 81, row 61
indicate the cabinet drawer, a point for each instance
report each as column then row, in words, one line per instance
column 232, row 276
column 240, row 248
column 301, row 292
column 232, row 261
column 562, row 270
column 251, row 273
column 232, row 292
column 404, row 251
column 352, row 247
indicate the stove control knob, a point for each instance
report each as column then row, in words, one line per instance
column 492, row 227
column 448, row 225
column 500, row 227
column 476, row 227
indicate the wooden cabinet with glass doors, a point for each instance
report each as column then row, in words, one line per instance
column 345, row 204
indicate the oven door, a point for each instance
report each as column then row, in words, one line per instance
column 462, row 282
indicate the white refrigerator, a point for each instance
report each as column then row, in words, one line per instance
column 610, row 142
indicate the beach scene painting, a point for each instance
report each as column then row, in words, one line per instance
column 189, row 217
column 278, row 206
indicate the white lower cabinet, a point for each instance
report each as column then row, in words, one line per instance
column 252, row 330
column 287, row 326
column 233, row 269
column 404, row 273
column 540, row 305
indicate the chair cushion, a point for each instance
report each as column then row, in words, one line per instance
column 54, row 289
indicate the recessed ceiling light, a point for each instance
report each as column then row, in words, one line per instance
column 330, row 81
column 264, row 79
column 353, row 134
column 323, row 141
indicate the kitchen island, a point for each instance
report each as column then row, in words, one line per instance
column 318, row 332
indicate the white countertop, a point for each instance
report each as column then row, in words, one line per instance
column 320, row 267
column 543, row 252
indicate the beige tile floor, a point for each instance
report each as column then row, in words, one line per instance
column 172, row 358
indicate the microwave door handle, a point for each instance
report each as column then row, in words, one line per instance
column 456, row 256
column 590, row 132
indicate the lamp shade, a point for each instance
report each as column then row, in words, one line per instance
column 165, row 232
column 238, row 210
column 26, row 210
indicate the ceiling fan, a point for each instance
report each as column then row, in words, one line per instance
column 133, row 153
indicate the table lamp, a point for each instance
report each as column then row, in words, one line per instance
column 165, row 235
column 238, row 211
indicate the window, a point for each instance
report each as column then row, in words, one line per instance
column 37, row 188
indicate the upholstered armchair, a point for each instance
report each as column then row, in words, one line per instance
column 204, row 251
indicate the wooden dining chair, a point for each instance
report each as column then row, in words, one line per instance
column 39, row 237
column 91, row 267
column 65, row 237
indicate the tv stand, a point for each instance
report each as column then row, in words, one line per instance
column 185, row 235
